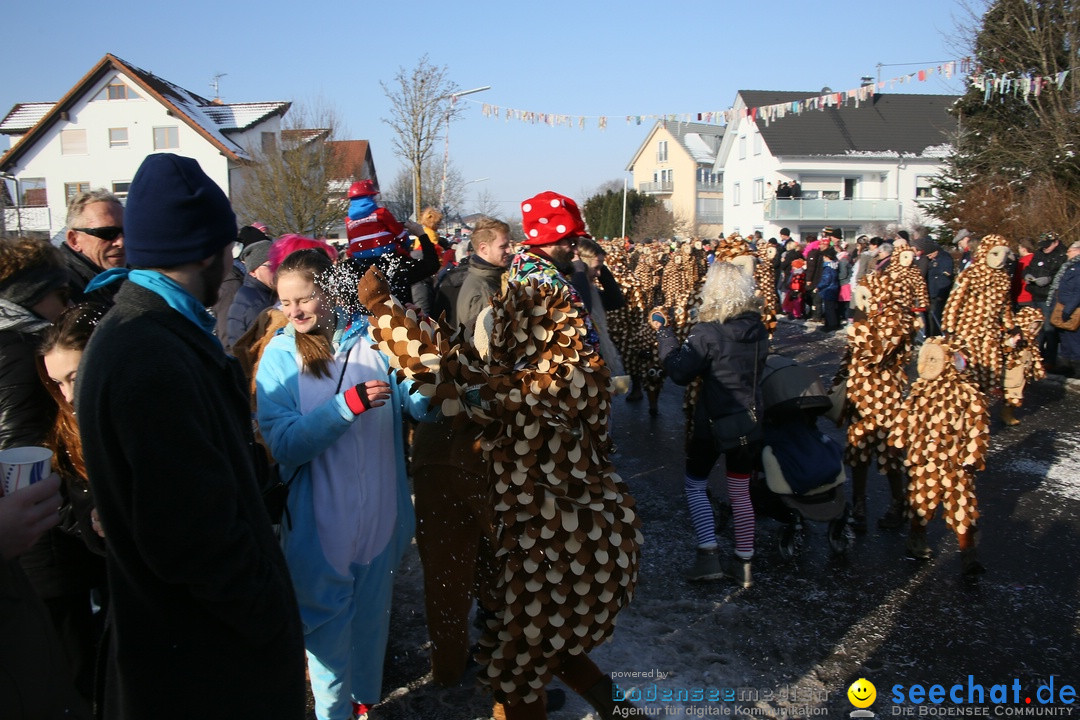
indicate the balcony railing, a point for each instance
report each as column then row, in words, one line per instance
column 821, row 209
column 710, row 218
column 710, row 187
column 657, row 188
column 25, row 219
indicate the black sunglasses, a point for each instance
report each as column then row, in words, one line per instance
column 107, row 233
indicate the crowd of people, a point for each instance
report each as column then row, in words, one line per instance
column 248, row 431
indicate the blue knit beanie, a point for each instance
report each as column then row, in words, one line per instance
column 175, row 214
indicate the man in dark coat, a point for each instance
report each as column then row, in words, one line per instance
column 939, row 279
column 203, row 621
column 254, row 296
column 93, row 242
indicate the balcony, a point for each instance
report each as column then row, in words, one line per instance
column 25, row 219
column 656, row 188
column 710, row 218
column 785, row 209
column 710, row 187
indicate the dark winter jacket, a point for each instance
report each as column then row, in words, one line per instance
column 611, row 295
column 939, row 275
column 728, row 356
column 828, row 285
column 58, row 564
column 813, row 267
column 1068, row 294
column 82, row 271
column 1044, row 266
column 448, row 290
column 203, row 619
column 234, row 280
column 482, row 282
column 251, row 299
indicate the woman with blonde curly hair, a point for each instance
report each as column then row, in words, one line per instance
column 726, row 349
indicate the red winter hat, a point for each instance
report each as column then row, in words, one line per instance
column 362, row 188
column 549, row 217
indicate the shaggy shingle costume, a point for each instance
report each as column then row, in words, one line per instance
column 567, row 537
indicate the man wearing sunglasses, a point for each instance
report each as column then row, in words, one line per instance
column 94, row 242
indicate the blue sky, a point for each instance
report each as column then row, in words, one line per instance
column 577, row 58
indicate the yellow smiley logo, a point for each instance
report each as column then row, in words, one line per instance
column 862, row 693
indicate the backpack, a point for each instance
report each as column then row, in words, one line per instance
column 446, row 294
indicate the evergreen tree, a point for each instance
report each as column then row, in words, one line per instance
column 603, row 211
column 1011, row 144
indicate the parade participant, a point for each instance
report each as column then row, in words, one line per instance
column 552, row 225
column 943, row 430
column 600, row 293
column 377, row 238
column 320, row 388
column 203, row 619
column 234, row 280
column 874, row 370
column 541, row 394
column 93, row 241
column 726, row 349
column 939, row 279
column 454, row 520
column 979, row 318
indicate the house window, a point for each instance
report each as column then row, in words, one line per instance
column 924, row 188
column 118, row 137
column 118, row 91
column 759, row 190
column 120, row 189
column 166, row 138
column 269, row 142
column 736, row 193
column 742, row 147
column 72, row 142
column 33, row 192
column 661, row 151
column 757, row 143
column 72, row 189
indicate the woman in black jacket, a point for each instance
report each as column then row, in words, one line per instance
column 727, row 350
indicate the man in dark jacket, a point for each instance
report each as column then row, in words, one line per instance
column 93, row 242
column 1048, row 259
column 490, row 259
column 203, row 621
column 234, row 279
column 254, row 296
column 938, row 274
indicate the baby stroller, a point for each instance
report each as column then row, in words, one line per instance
column 804, row 472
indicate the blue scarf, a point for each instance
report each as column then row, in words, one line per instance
column 170, row 291
column 361, row 207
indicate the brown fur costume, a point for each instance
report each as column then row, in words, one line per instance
column 567, row 538
column 1024, row 362
column 879, row 344
column 942, row 427
column 978, row 317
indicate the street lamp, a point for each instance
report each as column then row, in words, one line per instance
column 446, row 152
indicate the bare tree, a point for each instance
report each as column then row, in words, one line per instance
column 486, row 204
column 399, row 198
column 420, row 107
column 290, row 185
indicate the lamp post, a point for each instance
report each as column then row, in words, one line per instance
column 446, row 152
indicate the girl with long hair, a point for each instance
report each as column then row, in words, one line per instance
column 321, row 389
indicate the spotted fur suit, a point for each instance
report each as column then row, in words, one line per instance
column 910, row 286
column 567, row 538
column 943, row 430
column 978, row 317
column 879, row 347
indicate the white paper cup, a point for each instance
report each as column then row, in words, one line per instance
column 23, row 466
column 620, row 384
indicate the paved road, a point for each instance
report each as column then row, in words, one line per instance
column 792, row 644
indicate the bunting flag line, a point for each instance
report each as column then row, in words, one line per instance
column 1018, row 84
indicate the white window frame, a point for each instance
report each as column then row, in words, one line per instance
column 742, row 147
column 175, row 136
column 120, row 188
column 924, row 182
column 757, row 143
column 661, row 151
column 115, row 142
column 71, row 189
column 736, row 193
column 759, row 190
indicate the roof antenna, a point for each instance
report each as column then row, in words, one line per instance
column 216, row 84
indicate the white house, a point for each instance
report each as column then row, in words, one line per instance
column 100, row 131
column 869, row 165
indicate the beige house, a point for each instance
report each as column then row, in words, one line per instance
column 676, row 164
